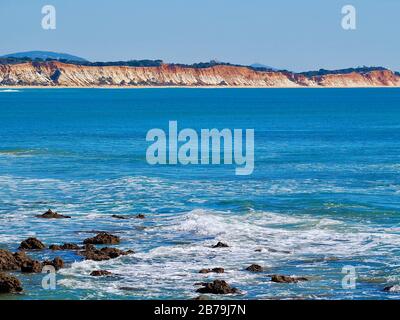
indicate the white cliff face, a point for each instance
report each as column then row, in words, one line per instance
column 69, row 75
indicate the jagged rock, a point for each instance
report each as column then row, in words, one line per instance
column 216, row 270
column 31, row 244
column 57, row 263
column 49, row 214
column 21, row 258
column 100, row 273
column 103, row 238
column 286, row 279
column 116, row 216
column 140, row 216
column 32, row 266
column 255, row 268
column 65, row 246
column 9, row 284
column 7, row 261
column 92, row 253
column 217, row 287
column 220, row 245
column 395, row 288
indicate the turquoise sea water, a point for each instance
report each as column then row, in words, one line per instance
column 325, row 192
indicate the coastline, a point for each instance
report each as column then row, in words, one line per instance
column 193, row 87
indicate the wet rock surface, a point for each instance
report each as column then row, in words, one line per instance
column 255, row 268
column 92, row 253
column 65, row 246
column 32, row 244
column 217, row 287
column 140, row 216
column 49, row 214
column 394, row 288
column 8, row 261
column 220, row 245
column 57, row 263
column 213, row 270
column 100, row 273
column 116, row 216
column 286, row 279
column 9, row 284
column 103, row 238
column 32, row 266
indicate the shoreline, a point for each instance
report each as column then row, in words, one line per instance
column 191, row 87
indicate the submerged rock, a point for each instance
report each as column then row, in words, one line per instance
column 31, row 244
column 9, row 284
column 116, row 216
column 140, row 216
column 201, row 297
column 100, row 273
column 215, row 270
column 49, row 214
column 255, row 268
column 395, row 288
column 65, row 246
column 57, row 263
column 286, row 279
column 220, row 245
column 103, row 238
column 217, row 287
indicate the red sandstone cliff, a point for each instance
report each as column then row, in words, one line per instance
column 71, row 75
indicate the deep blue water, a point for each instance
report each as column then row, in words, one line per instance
column 325, row 192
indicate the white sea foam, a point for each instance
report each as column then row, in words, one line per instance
column 10, row 90
column 174, row 268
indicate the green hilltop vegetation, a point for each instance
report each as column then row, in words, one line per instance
column 201, row 65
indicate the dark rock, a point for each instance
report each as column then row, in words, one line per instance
column 217, row 287
column 65, row 246
column 92, row 253
column 100, row 273
column 116, row 216
column 9, row 284
column 220, row 245
column 140, row 216
column 57, row 263
column 21, row 258
column 216, row 270
column 49, row 214
column 55, row 247
column 286, row 279
column 103, row 238
column 114, row 252
column 32, row 266
column 255, row 268
column 395, row 288
column 8, row 261
column 31, row 244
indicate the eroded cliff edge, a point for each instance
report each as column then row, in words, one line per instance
column 56, row 73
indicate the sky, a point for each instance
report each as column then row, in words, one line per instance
column 286, row 34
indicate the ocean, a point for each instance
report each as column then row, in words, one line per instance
column 324, row 196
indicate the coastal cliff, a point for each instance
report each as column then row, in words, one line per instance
column 54, row 73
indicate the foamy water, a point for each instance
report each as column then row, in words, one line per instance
column 324, row 194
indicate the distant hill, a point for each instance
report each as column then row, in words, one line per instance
column 44, row 55
column 259, row 66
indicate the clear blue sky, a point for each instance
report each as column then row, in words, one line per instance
column 291, row 34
